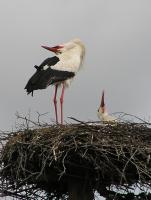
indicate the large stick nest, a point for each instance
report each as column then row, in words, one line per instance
column 101, row 154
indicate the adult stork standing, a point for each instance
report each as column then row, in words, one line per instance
column 102, row 112
column 60, row 71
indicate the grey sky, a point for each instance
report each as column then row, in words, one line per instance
column 117, row 35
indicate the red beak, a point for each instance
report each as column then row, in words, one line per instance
column 102, row 100
column 55, row 49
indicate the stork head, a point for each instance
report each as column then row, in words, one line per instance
column 74, row 44
column 102, row 108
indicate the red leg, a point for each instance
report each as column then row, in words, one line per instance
column 61, row 102
column 55, row 103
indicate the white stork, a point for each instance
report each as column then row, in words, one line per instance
column 102, row 112
column 60, row 70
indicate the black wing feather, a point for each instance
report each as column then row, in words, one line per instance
column 49, row 61
column 43, row 78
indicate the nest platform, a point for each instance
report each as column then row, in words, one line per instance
column 49, row 162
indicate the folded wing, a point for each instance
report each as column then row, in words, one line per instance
column 43, row 78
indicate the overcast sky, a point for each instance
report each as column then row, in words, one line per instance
column 117, row 36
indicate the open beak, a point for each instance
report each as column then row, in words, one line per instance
column 55, row 49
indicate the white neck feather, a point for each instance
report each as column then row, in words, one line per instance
column 70, row 60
